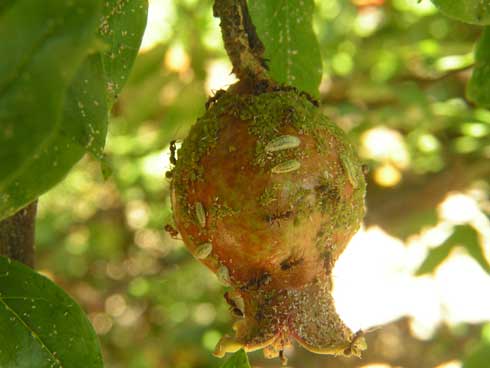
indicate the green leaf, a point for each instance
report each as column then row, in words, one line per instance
column 122, row 28
column 479, row 357
column 463, row 235
column 478, row 88
column 46, row 169
column 467, row 237
column 85, row 113
column 413, row 223
column 474, row 246
column 83, row 126
column 468, row 11
column 103, row 75
column 42, row 46
column 237, row 360
column 5, row 4
column 435, row 257
column 40, row 325
column 106, row 168
column 285, row 28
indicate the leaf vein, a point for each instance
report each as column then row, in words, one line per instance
column 33, row 333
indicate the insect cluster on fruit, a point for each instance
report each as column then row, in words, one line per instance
column 266, row 193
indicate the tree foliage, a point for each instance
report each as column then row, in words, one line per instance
column 409, row 83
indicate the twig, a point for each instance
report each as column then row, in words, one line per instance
column 242, row 44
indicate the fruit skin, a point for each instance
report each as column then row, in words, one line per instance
column 271, row 215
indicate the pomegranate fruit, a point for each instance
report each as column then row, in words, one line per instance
column 266, row 192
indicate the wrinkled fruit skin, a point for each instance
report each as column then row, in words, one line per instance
column 266, row 192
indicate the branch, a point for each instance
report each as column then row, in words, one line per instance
column 17, row 235
column 390, row 209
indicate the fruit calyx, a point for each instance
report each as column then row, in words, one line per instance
column 271, row 319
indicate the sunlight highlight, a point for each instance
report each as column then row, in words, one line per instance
column 459, row 208
column 370, row 278
column 375, row 282
column 386, row 145
column 376, row 365
column 219, row 76
column 177, row 59
column 368, row 20
column 450, row 364
column 387, row 175
column 161, row 15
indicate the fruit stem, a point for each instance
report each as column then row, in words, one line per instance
column 242, row 43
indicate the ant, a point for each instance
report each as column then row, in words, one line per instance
column 280, row 216
column 290, row 263
column 355, row 337
column 289, row 115
column 261, row 86
column 173, row 232
column 235, row 310
column 212, row 99
column 359, row 334
column 283, row 358
column 173, row 149
column 365, row 170
column 257, row 282
column 328, row 264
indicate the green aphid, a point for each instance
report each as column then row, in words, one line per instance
column 223, row 275
column 203, row 250
column 285, row 167
column 200, row 214
column 350, row 170
column 282, row 142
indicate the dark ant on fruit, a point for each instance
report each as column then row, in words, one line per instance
column 257, row 282
column 271, row 219
column 327, row 262
column 365, row 169
column 264, row 279
column 355, row 337
column 213, row 99
column 261, row 86
column 289, row 115
column 283, row 358
column 309, row 97
column 171, row 231
column 173, row 149
column 235, row 310
column 327, row 195
column 290, row 263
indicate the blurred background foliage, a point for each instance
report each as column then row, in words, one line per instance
column 394, row 77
